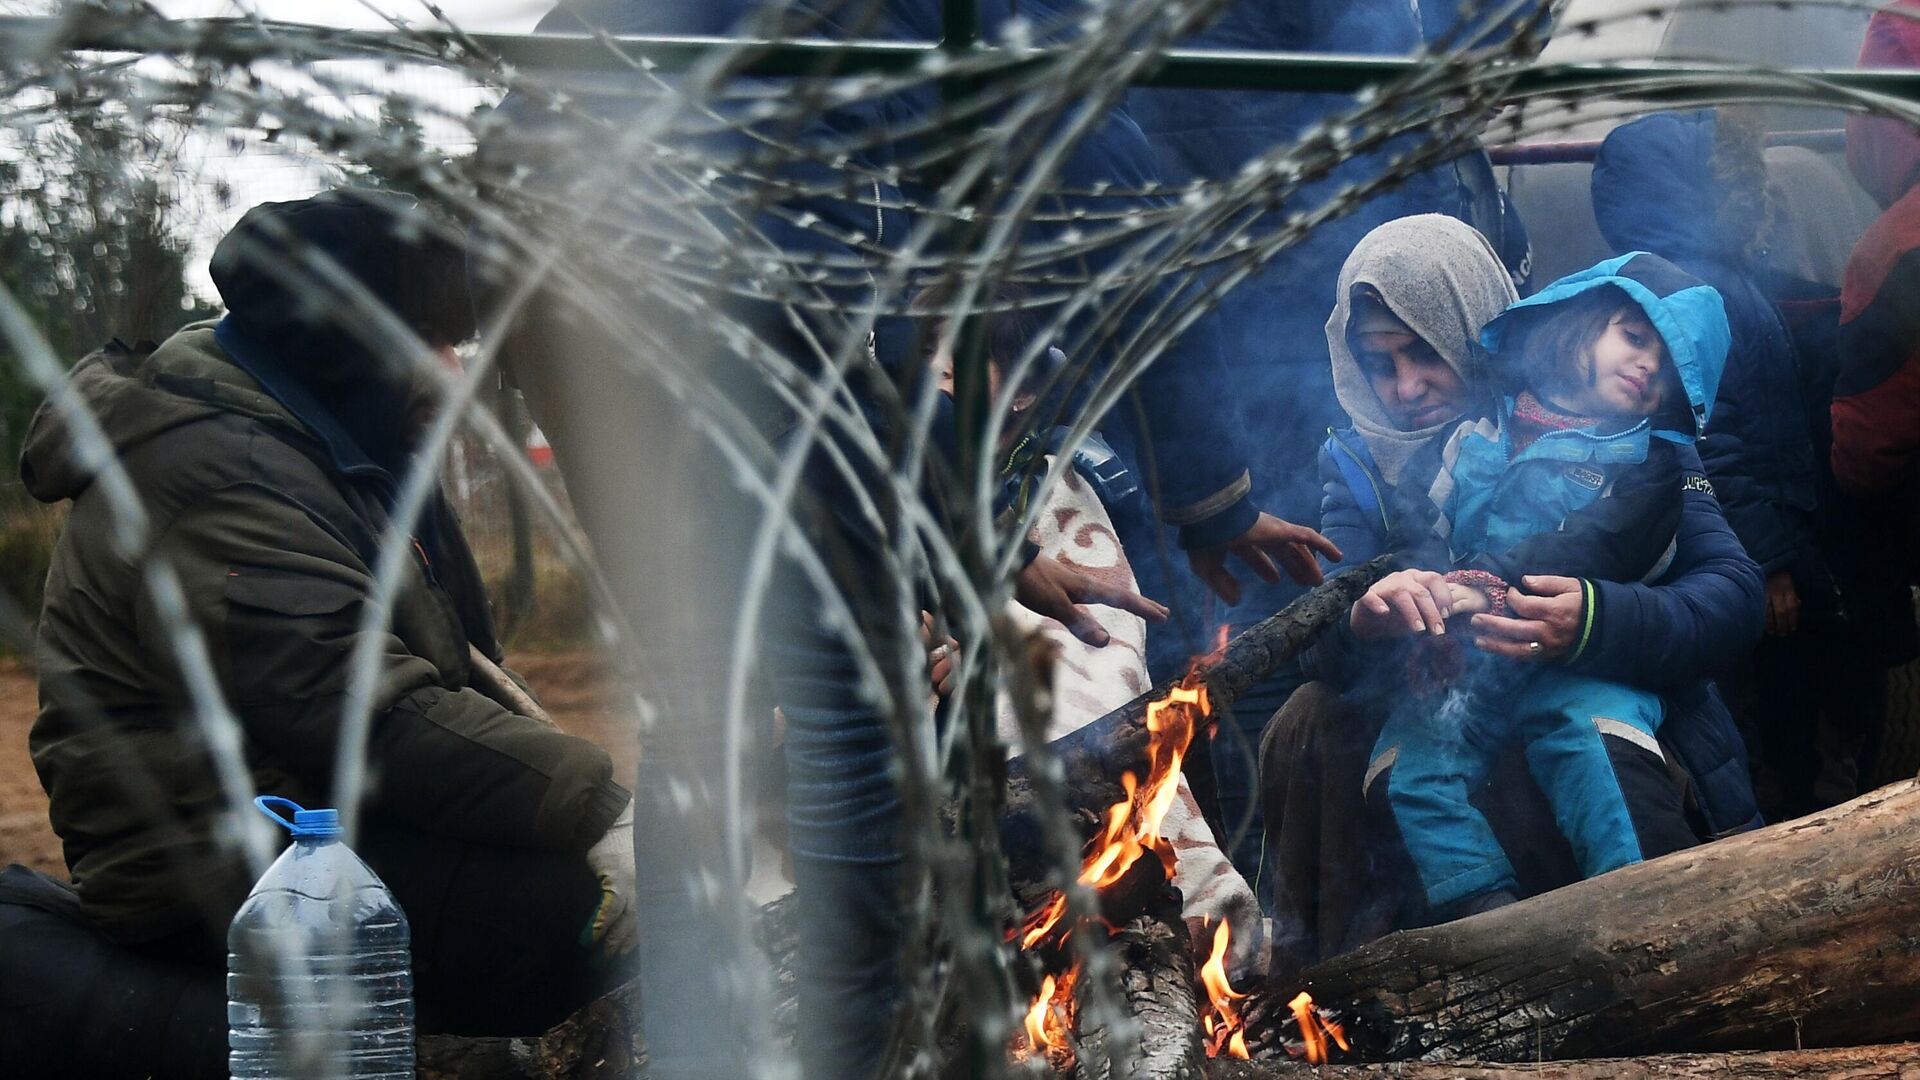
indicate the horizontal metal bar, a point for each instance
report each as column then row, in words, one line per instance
column 243, row 40
column 1575, row 151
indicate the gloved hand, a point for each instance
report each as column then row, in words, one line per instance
column 613, row 927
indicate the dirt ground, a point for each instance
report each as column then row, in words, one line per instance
column 574, row 687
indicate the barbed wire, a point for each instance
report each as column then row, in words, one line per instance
column 684, row 195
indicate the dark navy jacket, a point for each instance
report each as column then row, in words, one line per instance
column 1199, row 478
column 1654, row 189
column 1271, row 323
column 1703, row 614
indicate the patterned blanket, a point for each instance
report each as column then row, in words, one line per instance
column 1075, row 528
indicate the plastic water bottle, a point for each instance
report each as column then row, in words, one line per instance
column 319, row 982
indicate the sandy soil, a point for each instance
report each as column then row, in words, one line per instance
column 573, row 686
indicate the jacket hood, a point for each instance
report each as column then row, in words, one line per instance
column 1441, row 277
column 290, row 272
column 1655, row 189
column 1884, row 152
column 130, row 398
column 1689, row 314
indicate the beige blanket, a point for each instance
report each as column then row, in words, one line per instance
column 1074, row 527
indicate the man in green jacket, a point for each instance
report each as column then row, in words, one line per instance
column 265, row 452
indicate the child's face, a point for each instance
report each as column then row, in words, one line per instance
column 1416, row 387
column 940, row 366
column 1623, row 377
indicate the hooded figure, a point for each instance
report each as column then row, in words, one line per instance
column 1689, row 187
column 1440, row 278
column 1338, row 879
column 293, row 273
column 263, row 451
column 1540, row 491
column 1876, row 399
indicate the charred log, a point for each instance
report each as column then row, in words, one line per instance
column 1801, row 934
column 1158, row 992
column 1092, row 759
column 1895, row 1062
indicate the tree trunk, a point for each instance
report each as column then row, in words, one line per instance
column 1900, row 1061
column 1092, row 758
column 1800, row 934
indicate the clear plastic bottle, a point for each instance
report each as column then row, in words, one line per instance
column 319, row 975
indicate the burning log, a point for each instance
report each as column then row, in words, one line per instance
column 1800, row 934
column 1895, row 1062
column 1156, row 985
column 1094, row 759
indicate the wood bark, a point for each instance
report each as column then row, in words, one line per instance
column 1900, row 1061
column 1806, row 933
column 1158, row 991
column 1092, row 759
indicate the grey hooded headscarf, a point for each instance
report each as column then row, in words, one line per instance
column 1439, row 276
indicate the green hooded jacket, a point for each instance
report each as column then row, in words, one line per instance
column 272, row 544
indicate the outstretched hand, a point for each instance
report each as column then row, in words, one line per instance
column 1268, row 545
column 1051, row 588
column 1404, row 602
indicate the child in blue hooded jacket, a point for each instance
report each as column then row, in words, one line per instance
column 1576, row 475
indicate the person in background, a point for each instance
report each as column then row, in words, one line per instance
column 266, row 451
column 1692, row 187
column 1338, row 873
column 1071, row 522
column 1876, row 404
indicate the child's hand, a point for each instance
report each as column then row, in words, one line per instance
column 1469, row 600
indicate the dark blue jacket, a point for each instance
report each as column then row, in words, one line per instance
column 1271, row 323
column 1702, row 615
column 1196, row 470
column 1655, row 189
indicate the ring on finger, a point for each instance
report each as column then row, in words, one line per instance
column 1533, row 648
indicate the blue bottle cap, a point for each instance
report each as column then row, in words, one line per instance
column 305, row 824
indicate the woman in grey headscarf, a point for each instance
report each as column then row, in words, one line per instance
column 1407, row 367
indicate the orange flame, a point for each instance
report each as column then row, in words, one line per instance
column 1225, row 1028
column 1316, row 1028
column 1131, row 830
column 1133, row 824
column 1051, row 1015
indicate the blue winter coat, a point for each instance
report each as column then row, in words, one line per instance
column 1702, row 615
column 1654, row 189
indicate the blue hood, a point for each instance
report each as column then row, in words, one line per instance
column 1688, row 313
column 1655, row 189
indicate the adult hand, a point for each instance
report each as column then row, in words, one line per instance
column 1266, row 540
column 942, row 660
column 1783, row 604
column 1404, row 602
column 1051, row 588
column 1548, row 612
column 613, row 926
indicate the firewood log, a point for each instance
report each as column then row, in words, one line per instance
column 1158, row 991
column 1899, row 1061
column 1800, row 934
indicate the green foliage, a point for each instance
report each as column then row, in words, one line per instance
column 90, row 245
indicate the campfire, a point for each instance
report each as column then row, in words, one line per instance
column 1129, row 832
column 1132, row 830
